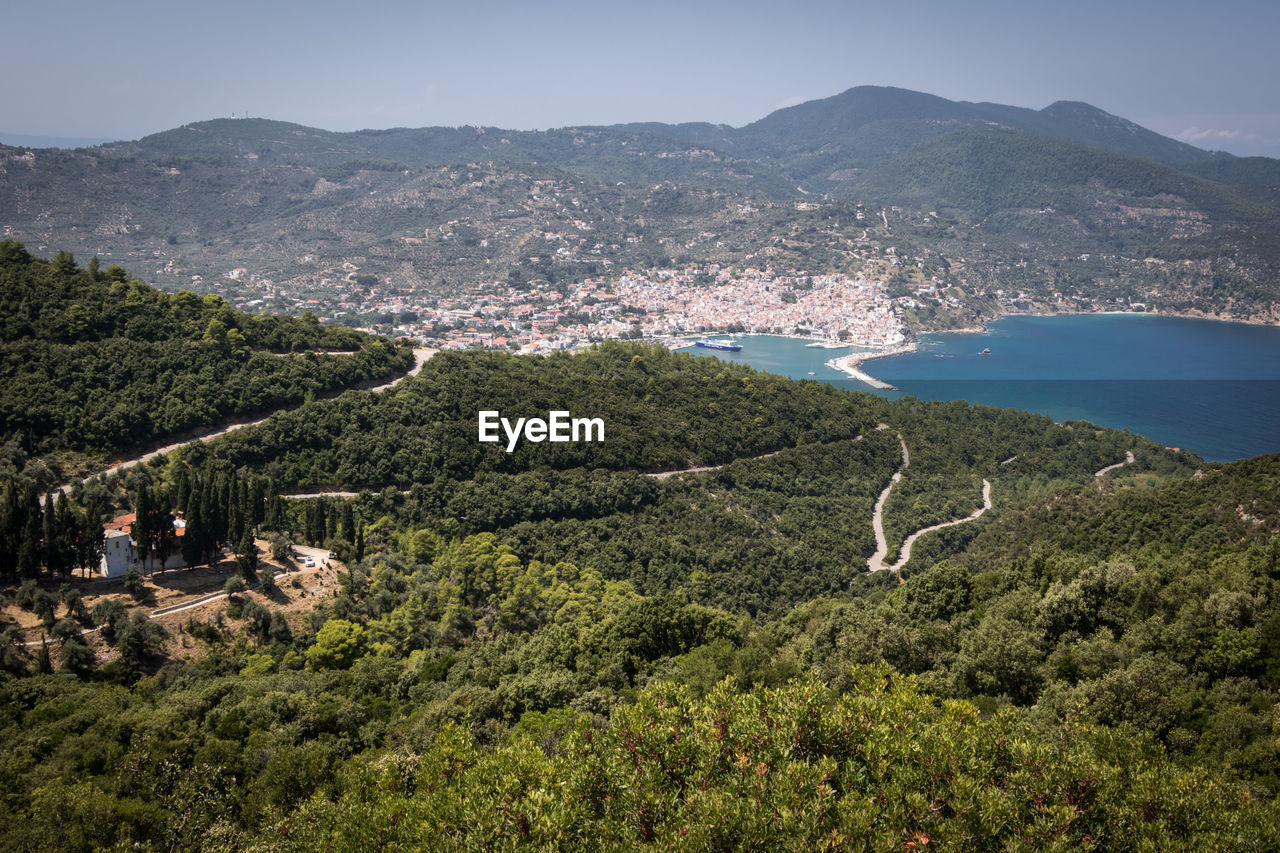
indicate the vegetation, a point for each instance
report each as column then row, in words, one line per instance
column 550, row 647
column 96, row 362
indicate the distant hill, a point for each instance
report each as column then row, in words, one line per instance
column 1063, row 181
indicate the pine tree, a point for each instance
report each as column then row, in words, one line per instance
column 359, row 543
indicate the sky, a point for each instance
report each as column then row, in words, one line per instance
column 1208, row 74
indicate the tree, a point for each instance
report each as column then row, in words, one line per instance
column 88, row 539
column 194, row 533
column 29, row 543
column 338, row 644
column 13, row 655
column 44, row 664
column 139, row 640
column 247, row 558
column 153, row 527
column 108, row 614
column 67, row 530
column 133, row 583
column 76, row 656
column 49, row 537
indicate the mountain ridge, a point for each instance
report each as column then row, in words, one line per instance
column 1071, row 181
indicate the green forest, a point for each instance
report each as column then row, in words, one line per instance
column 555, row 647
column 95, row 362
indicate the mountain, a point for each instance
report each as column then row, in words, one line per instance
column 1012, row 186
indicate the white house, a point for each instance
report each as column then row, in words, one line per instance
column 119, row 551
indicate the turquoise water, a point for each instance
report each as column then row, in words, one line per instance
column 1207, row 386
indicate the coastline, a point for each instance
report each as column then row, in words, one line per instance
column 982, row 326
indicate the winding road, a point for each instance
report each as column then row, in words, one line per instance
column 876, row 562
column 1128, row 460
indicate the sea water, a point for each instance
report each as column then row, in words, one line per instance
column 1207, row 386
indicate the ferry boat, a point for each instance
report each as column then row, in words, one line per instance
column 730, row 346
column 815, row 345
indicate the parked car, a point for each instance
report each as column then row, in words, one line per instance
column 310, row 562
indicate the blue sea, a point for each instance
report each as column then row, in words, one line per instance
column 1203, row 385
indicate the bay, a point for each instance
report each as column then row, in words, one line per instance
column 1207, row 386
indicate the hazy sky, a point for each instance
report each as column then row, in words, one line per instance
column 1207, row 73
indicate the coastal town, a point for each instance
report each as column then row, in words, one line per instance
column 666, row 305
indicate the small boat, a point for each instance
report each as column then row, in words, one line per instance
column 811, row 373
column 815, row 345
column 730, row 346
column 985, row 352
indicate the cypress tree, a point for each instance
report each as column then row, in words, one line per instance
column 44, row 664
column 50, row 553
column 67, row 526
column 141, row 529
column 235, row 520
column 214, row 521
column 194, row 536
column 29, row 543
column 347, row 524
column 182, row 489
column 244, row 498
column 89, row 540
column 10, row 531
column 331, row 522
column 257, row 502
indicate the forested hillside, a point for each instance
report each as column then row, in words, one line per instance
column 96, row 362
column 552, row 647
